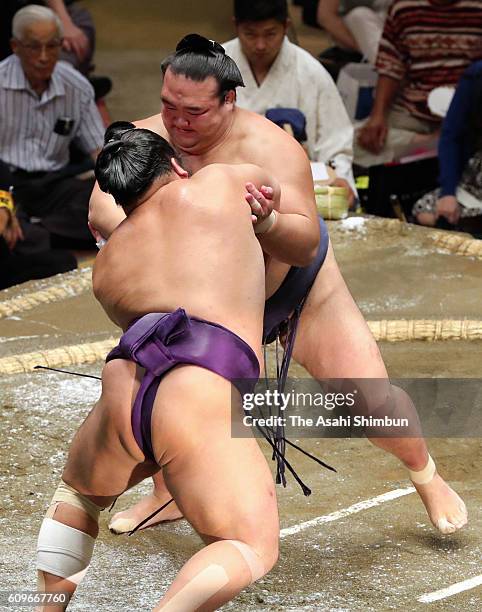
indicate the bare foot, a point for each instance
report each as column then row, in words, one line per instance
column 125, row 521
column 444, row 507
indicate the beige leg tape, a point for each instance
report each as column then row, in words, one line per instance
column 211, row 580
column 252, row 559
column 198, row 590
column 69, row 495
column 424, row 476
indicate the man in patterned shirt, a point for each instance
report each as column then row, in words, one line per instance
column 425, row 44
column 45, row 105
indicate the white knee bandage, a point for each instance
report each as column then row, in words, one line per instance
column 63, row 550
column 424, row 476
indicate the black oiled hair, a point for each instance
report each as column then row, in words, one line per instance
column 198, row 58
column 131, row 160
column 260, row 10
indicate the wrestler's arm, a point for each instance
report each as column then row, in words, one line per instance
column 104, row 214
column 256, row 179
column 294, row 238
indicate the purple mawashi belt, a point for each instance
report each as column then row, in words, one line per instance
column 160, row 341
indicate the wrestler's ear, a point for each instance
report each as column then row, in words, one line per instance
column 230, row 97
column 178, row 169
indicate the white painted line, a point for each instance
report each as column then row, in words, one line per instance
column 358, row 507
column 458, row 587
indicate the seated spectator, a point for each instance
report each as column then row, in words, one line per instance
column 16, row 267
column 410, row 65
column 280, row 74
column 45, row 105
column 78, row 46
column 78, row 43
column 354, row 24
column 460, row 157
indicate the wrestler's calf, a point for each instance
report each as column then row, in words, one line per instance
column 215, row 574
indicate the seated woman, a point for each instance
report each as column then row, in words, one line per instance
column 460, row 158
column 183, row 275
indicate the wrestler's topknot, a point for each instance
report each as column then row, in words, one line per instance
column 199, row 58
column 131, row 160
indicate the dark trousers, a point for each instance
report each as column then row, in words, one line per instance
column 32, row 257
column 16, row 267
column 58, row 201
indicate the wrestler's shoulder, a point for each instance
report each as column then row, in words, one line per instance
column 213, row 171
column 210, row 175
column 250, row 123
column 197, row 193
column 153, row 123
column 256, row 132
column 220, row 176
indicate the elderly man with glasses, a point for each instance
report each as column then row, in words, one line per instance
column 45, row 105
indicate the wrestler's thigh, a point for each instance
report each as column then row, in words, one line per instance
column 222, row 485
column 104, row 459
column 333, row 339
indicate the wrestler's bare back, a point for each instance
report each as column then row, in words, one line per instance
column 191, row 245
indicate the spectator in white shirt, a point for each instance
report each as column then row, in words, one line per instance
column 45, row 105
column 280, row 74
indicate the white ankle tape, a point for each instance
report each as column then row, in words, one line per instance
column 251, row 557
column 67, row 494
column 63, row 551
column 423, row 476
